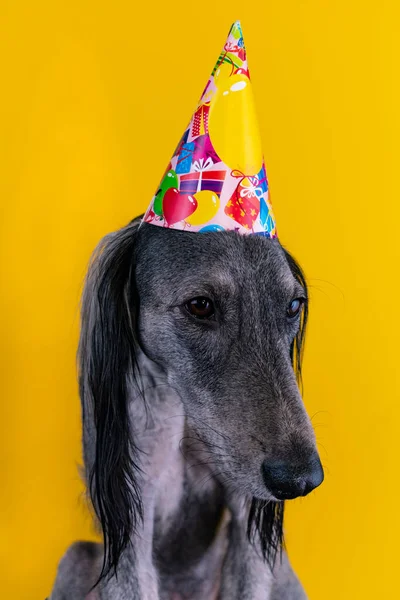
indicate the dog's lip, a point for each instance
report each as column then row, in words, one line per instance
column 267, row 497
column 284, row 496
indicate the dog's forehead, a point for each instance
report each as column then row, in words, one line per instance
column 222, row 258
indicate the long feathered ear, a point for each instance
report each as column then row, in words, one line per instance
column 265, row 522
column 297, row 348
column 106, row 362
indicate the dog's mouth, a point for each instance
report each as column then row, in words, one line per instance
column 282, row 495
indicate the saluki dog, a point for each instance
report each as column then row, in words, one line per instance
column 194, row 429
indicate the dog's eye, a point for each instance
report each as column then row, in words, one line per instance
column 200, row 307
column 294, row 307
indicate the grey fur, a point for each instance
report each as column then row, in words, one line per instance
column 219, row 401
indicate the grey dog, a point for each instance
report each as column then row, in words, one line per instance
column 194, row 430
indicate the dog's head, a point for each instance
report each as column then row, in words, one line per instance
column 224, row 317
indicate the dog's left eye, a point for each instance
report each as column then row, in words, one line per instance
column 294, row 307
column 200, row 307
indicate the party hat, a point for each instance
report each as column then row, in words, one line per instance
column 216, row 179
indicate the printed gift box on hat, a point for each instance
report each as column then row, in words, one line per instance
column 202, row 179
column 185, row 157
column 191, row 152
column 244, row 204
column 199, row 125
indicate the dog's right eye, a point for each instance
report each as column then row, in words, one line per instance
column 295, row 307
column 200, row 307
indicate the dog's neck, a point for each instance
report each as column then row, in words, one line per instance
column 185, row 531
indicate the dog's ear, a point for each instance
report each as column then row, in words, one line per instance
column 297, row 348
column 107, row 363
column 265, row 520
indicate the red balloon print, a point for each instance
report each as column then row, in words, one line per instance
column 149, row 216
column 242, row 71
column 177, row 207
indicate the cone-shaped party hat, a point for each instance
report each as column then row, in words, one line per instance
column 216, row 179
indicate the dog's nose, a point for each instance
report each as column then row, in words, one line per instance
column 286, row 480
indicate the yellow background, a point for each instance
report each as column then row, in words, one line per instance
column 94, row 96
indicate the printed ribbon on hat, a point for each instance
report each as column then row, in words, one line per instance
column 216, row 179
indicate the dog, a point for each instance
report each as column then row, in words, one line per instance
column 194, row 429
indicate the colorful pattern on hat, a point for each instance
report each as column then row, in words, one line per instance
column 216, row 179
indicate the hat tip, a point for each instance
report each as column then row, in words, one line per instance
column 236, row 29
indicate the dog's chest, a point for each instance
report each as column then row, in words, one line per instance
column 200, row 580
column 190, row 534
column 191, row 590
column 183, row 505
